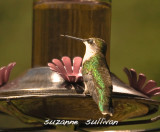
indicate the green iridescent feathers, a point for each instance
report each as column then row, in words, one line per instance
column 98, row 69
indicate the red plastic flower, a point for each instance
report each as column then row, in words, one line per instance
column 66, row 70
column 139, row 83
column 5, row 73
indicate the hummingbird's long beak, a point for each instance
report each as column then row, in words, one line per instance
column 73, row 37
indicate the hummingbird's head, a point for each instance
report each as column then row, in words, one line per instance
column 96, row 44
column 93, row 44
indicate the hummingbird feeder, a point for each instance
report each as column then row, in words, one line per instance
column 42, row 93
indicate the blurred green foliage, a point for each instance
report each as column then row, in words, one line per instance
column 16, row 34
column 134, row 38
column 135, row 42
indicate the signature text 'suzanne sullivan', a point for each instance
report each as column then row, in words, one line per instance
column 100, row 121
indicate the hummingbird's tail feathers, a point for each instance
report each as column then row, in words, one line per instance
column 107, row 110
column 104, row 106
column 107, row 113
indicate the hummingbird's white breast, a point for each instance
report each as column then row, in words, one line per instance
column 90, row 51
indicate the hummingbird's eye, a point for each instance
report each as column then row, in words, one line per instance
column 90, row 41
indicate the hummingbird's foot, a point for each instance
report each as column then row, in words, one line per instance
column 86, row 91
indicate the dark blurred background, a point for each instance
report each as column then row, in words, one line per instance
column 135, row 38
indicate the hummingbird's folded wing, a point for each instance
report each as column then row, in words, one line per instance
column 98, row 83
column 90, row 86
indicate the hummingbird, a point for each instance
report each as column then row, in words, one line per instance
column 96, row 73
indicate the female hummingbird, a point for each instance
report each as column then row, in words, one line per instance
column 96, row 73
